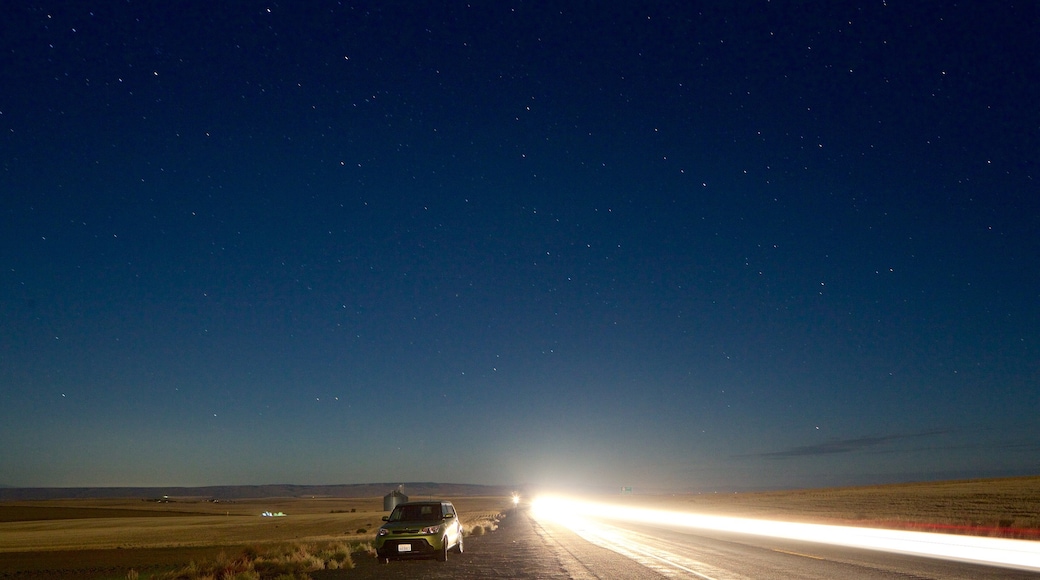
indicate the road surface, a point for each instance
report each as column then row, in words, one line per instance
column 521, row 548
column 526, row 548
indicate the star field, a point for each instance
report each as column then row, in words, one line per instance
column 671, row 247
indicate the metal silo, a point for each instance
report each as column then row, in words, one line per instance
column 393, row 498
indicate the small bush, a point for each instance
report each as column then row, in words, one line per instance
column 362, row 531
column 336, row 556
column 365, row 548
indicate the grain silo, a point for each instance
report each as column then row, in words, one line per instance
column 393, row 498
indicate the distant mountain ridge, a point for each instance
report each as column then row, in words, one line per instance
column 226, row 492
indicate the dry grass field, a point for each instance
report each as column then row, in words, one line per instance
column 197, row 538
column 106, row 538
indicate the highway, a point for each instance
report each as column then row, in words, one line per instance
column 722, row 556
column 678, row 552
column 529, row 547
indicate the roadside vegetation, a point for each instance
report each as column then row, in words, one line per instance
column 283, row 562
column 480, row 523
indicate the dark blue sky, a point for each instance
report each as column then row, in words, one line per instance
column 668, row 245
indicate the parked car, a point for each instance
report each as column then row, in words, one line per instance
column 420, row 529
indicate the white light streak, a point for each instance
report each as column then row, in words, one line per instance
column 1003, row 552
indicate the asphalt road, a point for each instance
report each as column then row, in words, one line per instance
column 725, row 556
column 520, row 548
column 525, row 548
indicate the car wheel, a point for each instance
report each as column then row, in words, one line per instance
column 458, row 547
column 443, row 555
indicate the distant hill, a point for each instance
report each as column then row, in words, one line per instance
column 225, row 492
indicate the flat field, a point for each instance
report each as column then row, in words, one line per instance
column 104, row 538
column 188, row 522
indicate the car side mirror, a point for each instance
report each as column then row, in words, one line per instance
column 386, row 518
column 448, row 516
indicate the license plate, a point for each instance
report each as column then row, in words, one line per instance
column 404, row 547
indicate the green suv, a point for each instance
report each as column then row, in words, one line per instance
column 420, row 528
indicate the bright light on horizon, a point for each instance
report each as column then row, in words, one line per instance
column 1003, row 552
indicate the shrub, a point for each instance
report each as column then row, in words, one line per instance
column 335, row 556
column 278, row 562
column 365, row 548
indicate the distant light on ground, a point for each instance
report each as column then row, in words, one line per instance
column 1008, row 553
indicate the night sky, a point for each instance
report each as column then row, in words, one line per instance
column 668, row 245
